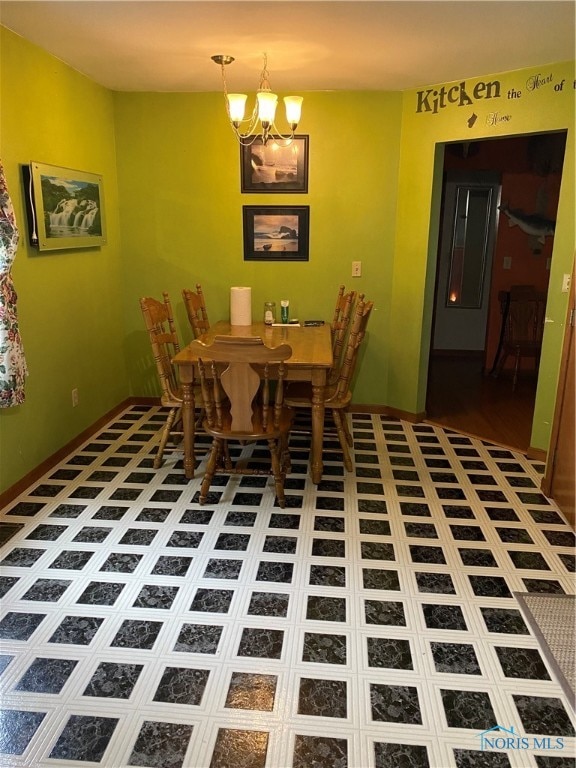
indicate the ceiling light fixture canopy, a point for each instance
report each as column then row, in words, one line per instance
column 264, row 111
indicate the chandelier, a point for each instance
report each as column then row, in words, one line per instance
column 260, row 124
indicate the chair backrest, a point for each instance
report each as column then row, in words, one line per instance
column 196, row 310
column 355, row 339
column 239, row 368
column 525, row 320
column 164, row 341
column 341, row 321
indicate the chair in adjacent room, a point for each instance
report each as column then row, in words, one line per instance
column 196, row 310
column 523, row 311
column 242, row 383
column 338, row 393
column 164, row 341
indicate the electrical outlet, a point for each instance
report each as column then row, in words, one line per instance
column 356, row 269
column 566, row 283
column 74, row 397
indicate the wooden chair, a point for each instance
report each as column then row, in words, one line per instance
column 523, row 310
column 340, row 323
column 337, row 394
column 241, row 405
column 196, row 310
column 164, row 340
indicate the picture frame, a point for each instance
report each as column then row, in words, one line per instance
column 276, row 166
column 276, row 232
column 65, row 207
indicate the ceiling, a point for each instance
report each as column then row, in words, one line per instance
column 144, row 45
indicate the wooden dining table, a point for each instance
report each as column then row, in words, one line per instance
column 311, row 360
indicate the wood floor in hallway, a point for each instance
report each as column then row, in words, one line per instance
column 461, row 397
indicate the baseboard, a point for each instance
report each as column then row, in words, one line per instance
column 537, row 454
column 15, row 490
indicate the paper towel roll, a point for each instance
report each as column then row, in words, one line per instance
column 240, row 306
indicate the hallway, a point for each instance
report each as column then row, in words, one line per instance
column 462, row 398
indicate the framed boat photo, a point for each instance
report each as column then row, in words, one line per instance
column 65, row 207
column 277, row 166
column 276, row 232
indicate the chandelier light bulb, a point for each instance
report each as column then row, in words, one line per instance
column 260, row 123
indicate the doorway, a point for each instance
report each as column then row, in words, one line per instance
column 481, row 180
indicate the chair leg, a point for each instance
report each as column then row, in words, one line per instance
column 338, row 420
column 215, row 453
column 516, row 367
column 277, row 472
column 346, row 429
column 165, row 436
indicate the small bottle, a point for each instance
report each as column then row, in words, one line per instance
column 269, row 312
column 285, row 310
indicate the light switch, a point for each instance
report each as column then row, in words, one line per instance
column 356, row 269
column 565, row 283
column 507, row 262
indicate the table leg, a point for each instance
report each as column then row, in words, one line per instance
column 318, row 384
column 188, row 418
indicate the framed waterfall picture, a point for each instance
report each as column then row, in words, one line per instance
column 65, row 207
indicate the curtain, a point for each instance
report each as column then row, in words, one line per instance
column 13, row 368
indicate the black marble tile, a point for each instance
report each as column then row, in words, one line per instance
column 385, row 612
column 546, row 516
column 26, row 508
column 22, row 557
column 160, row 744
column 101, row 593
column 70, row 511
column 560, row 538
column 543, row 715
column 121, row 562
column 395, row 704
column 269, row 604
column 514, row 536
column 5, row 660
column 444, row 617
column 20, row 626
column 182, row 685
column 328, row 548
column 568, row 561
column 479, row 558
column 468, row 709
column 137, row 634
column 71, row 560
column 467, row 533
column 324, row 648
column 156, row 596
column 455, row 658
column 239, row 518
column 279, row 572
column 9, row 530
column 198, row 638
column 322, row 698
column 153, row 515
column 329, row 523
column 502, row 514
column 552, row 761
column 493, row 496
column 212, row 600
column 47, row 590
column 489, row 586
column 504, row 620
column 435, row 582
column 141, row 537
column 473, row 758
column 531, row 560
column 389, row 653
column 374, row 527
column 92, row 535
column 285, row 545
column 421, row 530
column 415, row 508
column 240, row 748
column 424, row 554
column 251, row 691
column 76, row 630
column 387, row 754
column 222, row 568
column 330, row 502
column 113, row 680
column 18, row 729
column 110, row 512
column 525, row 663
column 6, row 584
column 84, row 737
column 261, row 643
column 376, row 550
column 372, row 506
column 415, row 491
column 375, row 578
column 185, row 539
column 532, row 498
column 288, row 521
column 47, row 532
column 46, row 675
column 327, row 575
column 544, row 586
column 320, row 752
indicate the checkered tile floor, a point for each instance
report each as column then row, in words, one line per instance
column 370, row 624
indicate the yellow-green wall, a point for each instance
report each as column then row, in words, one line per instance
column 530, row 101
column 181, row 214
column 69, row 302
column 174, row 213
